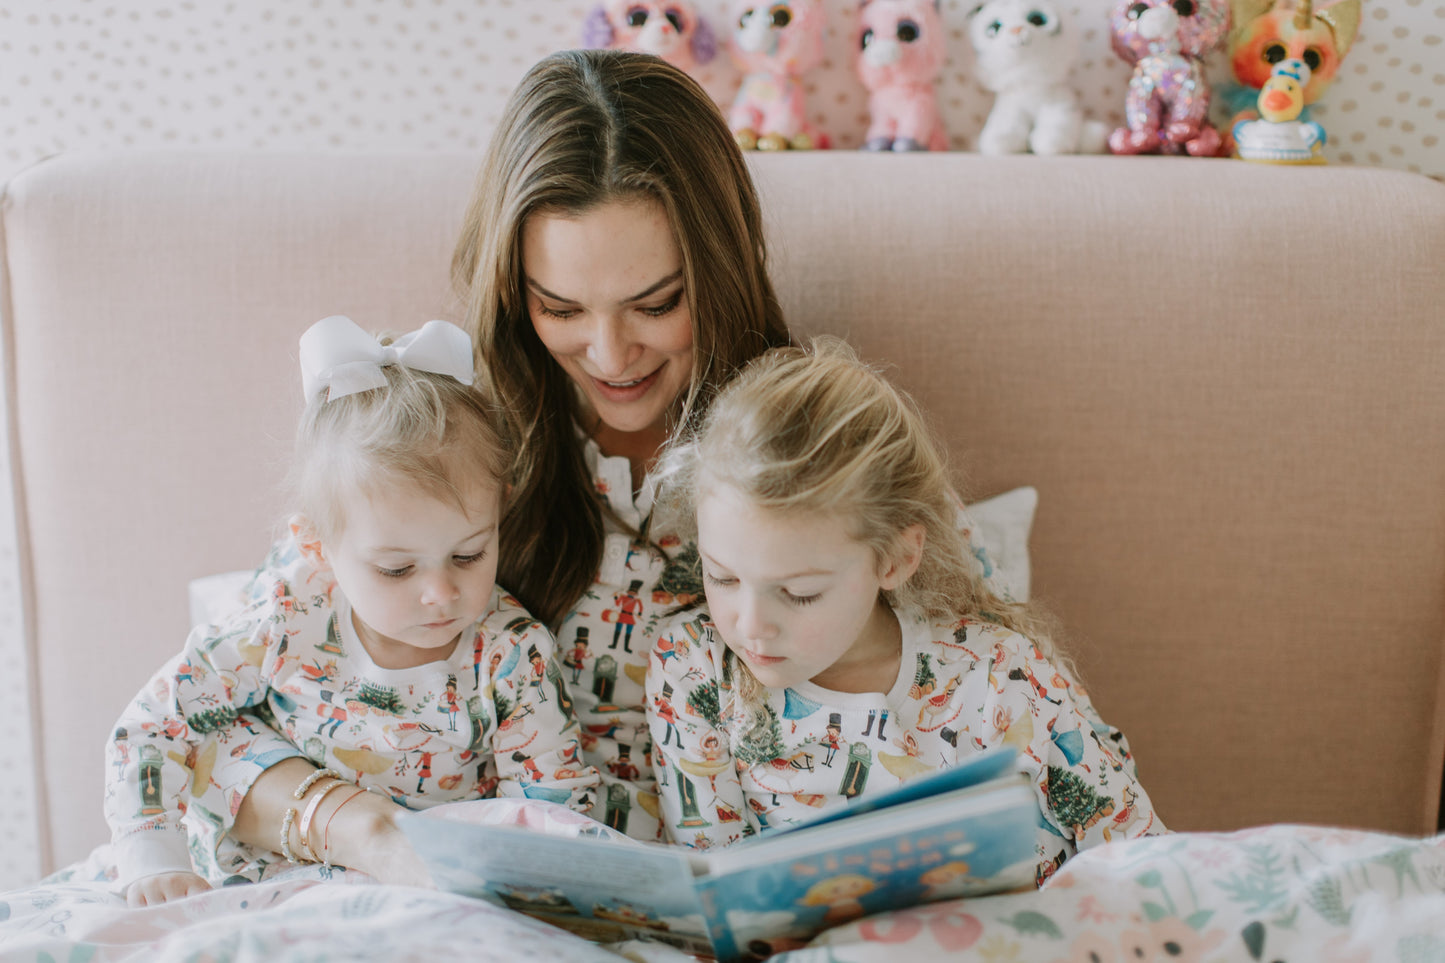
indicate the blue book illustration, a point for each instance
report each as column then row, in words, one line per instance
column 965, row 831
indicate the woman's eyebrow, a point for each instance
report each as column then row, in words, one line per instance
column 651, row 290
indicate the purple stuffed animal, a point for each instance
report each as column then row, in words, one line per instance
column 1168, row 101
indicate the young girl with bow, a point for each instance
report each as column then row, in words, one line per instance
column 381, row 647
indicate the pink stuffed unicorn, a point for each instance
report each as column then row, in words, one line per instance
column 900, row 54
column 774, row 44
column 1168, row 101
column 671, row 30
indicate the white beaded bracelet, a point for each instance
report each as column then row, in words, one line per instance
column 312, row 779
column 286, row 822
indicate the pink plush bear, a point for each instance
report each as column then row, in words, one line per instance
column 670, row 30
column 900, row 54
column 774, row 44
column 1168, row 101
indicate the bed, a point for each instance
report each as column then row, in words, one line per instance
column 1223, row 380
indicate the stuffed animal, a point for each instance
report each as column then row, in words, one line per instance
column 670, row 30
column 775, row 44
column 1026, row 51
column 1279, row 136
column 1167, row 106
column 1268, row 32
column 900, row 53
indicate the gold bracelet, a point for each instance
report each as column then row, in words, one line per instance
column 312, row 779
column 309, row 817
column 286, row 822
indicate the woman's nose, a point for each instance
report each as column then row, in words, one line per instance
column 609, row 350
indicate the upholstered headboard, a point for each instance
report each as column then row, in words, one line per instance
column 1227, row 383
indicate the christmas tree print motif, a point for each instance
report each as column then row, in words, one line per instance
column 210, row 720
column 762, row 742
column 682, row 575
column 924, row 680
column 1073, row 802
column 382, row 698
column 703, row 701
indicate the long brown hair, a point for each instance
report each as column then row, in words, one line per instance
column 584, row 128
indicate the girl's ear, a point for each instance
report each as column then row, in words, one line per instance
column 906, row 557
column 308, row 539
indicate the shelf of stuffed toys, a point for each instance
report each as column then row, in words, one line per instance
column 1166, row 77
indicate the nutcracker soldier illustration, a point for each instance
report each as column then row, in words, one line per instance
column 577, row 656
column 629, row 605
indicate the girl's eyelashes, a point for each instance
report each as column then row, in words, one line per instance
column 712, row 579
column 802, row 599
column 791, row 599
column 405, row 570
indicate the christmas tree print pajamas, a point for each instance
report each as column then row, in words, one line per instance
column 962, row 688
column 482, row 722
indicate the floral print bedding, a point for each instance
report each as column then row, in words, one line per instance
column 1273, row 893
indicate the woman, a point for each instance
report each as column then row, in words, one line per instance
column 615, row 272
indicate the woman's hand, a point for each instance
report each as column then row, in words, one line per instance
column 162, row 887
column 349, row 828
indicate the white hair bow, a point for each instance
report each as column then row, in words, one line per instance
column 338, row 356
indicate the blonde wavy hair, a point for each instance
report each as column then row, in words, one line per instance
column 813, row 430
column 423, row 429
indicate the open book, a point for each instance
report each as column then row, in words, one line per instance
column 959, row 832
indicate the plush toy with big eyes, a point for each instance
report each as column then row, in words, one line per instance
column 1025, row 52
column 1267, row 32
column 1167, row 105
column 671, row 30
column 775, row 44
column 900, row 53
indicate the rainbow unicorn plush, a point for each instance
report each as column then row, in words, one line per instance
column 1267, row 32
column 775, row 44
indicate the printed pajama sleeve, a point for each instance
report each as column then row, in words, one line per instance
column 535, row 742
column 182, row 731
column 691, row 749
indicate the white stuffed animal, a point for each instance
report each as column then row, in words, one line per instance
column 1026, row 51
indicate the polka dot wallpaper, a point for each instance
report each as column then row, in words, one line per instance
column 434, row 74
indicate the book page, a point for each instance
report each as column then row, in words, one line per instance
column 602, row 890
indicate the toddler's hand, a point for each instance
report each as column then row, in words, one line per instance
column 157, row 889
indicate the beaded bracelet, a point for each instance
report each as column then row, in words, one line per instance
column 309, row 817
column 286, row 821
column 312, row 779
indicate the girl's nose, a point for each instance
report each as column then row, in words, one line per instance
column 439, row 589
column 753, row 620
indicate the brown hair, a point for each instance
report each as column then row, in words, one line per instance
column 585, row 128
column 815, row 431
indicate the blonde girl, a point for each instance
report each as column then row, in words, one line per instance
column 377, row 644
column 849, row 641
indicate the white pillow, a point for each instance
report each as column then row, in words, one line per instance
column 213, row 597
column 998, row 529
